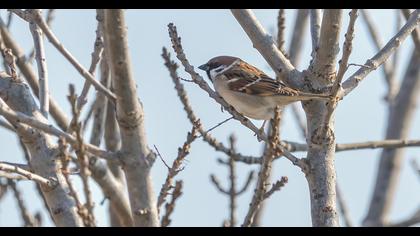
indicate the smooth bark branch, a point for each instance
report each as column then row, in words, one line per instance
column 27, row 71
column 323, row 65
column 136, row 156
column 265, row 44
column 96, row 57
column 372, row 64
column 60, row 47
column 41, row 148
column 296, row 42
column 28, row 218
column 415, row 35
column 315, row 29
column 51, row 183
column 400, row 119
column 387, row 68
column 42, row 66
column 343, row 208
column 281, row 19
column 20, row 117
column 347, row 48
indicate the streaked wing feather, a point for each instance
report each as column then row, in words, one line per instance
column 254, row 81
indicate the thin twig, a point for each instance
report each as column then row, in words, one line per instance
column 348, row 46
column 343, row 207
column 298, row 36
column 175, row 168
column 60, row 47
column 276, row 186
column 170, row 206
column 353, row 81
column 49, row 18
column 22, row 118
column 42, row 65
column 85, row 173
column 8, row 167
column 27, row 217
column 415, row 35
column 96, row 57
column 270, row 153
column 388, row 71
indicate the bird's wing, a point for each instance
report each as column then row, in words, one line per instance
column 248, row 79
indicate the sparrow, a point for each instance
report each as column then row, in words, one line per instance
column 249, row 90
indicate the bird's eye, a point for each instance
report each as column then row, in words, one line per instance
column 218, row 70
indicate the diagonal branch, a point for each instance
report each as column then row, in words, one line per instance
column 265, row 44
column 50, row 183
column 372, row 64
column 60, row 47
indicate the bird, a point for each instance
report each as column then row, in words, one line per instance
column 249, row 90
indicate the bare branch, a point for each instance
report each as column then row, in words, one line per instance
column 343, row 207
column 315, row 29
column 412, row 220
column 264, row 43
column 30, row 76
column 22, row 118
column 96, row 57
column 377, row 60
column 27, row 217
column 299, row 119
column 281, row 19
column 175, row 168
column 170, row 206
column 415, row 35
column 6, row 125
column 42, row 65
column 348, row 46
column 296, row 42
column 60, row 47
column 89, row 219
column 387, row 69
column 50, row 183
column 136, row 156
column 265, row 170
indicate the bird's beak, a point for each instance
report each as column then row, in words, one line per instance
column 204, row 67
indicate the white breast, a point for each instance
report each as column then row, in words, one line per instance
column 251, row 106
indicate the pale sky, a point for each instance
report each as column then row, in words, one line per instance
column 361, row 116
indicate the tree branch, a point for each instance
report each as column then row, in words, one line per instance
column 372, row 64
column 136, row 156
column 265, row 44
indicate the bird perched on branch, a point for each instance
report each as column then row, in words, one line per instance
column 249, row 90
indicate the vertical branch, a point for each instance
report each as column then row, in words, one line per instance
column 232, row 178
column 27, row 217
column 81, row 156
column 271, row 152
column 281, row 19
column 321, row 176
column 315, row 29
column 343, row 208
column 296, row 42
column 42, row 66
column 387, row 69
column 136, row 157
column 30, row 76
column 400, row 120
column 96, row 57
